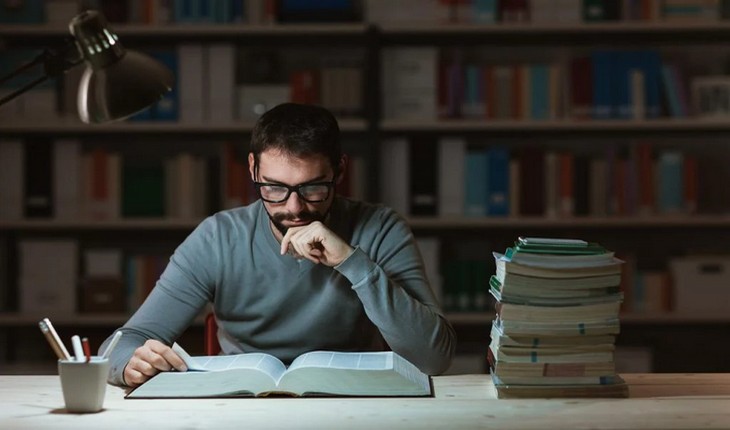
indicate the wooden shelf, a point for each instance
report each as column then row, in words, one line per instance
column 15, row 319
column 571, row 28
column 395, row 28
column 79, row 128
column 460, row 125
column 481, row 318
column 86, row 225
column 198, row 30
column 454, row 223
column 417, row 223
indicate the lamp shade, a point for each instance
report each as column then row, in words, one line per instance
column 117, row 83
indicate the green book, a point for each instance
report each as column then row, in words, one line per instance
column 555, row 246
column 143, row 190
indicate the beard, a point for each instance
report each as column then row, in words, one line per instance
column 308, row 216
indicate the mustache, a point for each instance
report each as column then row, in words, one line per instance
column 301, row 216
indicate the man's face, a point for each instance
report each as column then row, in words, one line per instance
column 283, row 169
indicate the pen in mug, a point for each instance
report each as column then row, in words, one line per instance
column 112, row 344
column 87, row 348
column 78, row 350
column 47, row 333
column 57, row 340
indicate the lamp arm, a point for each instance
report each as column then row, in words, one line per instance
column 55, row 63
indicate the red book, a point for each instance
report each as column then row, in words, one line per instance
column 518, row 89
column 532, row 192
column 304, row 86
column 490, row 92
column 581, row 88
column 566, row 194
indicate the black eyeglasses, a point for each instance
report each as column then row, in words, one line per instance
column 313, row 192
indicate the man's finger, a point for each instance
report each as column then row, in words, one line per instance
column 174, row 360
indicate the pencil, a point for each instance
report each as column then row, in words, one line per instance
column 87, row 348
column 47, row 333
column 56, row 339
column 112, row 344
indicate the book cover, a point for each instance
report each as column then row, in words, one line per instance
column 317, row 373
column 221, row 79
column 498, row 203
column 476, row 177
column 451, row 174
column 12, row 179
column 143, row 189
column 67, row 171
column 424, row 177
column 38, row 178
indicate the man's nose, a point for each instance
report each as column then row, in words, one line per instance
column 294, row 203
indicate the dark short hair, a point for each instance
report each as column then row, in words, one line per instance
column 298, row 130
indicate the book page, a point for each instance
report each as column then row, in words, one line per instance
column 266, row 363
column 344, row 360
column 354, row 374
column 215, row 376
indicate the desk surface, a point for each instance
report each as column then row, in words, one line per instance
column 667, row 401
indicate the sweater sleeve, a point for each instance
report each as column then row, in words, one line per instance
column 390, row 280
column 182, row 291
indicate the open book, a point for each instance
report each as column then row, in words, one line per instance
column 318, row 373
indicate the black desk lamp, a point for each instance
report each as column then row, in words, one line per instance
column 117, row 83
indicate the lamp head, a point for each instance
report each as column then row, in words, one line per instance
column 116, row 83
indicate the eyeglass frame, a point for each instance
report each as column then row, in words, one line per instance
column 295, row 189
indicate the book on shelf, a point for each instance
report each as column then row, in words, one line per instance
column 317, row 373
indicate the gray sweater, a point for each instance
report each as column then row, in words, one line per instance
column 266, row 302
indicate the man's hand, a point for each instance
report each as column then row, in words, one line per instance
column 316, row 243
column 150, row 359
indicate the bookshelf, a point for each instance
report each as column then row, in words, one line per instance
column 629, row 232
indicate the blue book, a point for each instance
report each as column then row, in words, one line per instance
column 671, row 92
column 168, row 107
column 498, row 203
column 186, row 11
column 223, row 10
column 22, row 12
column 652, row 66
column 602, row 84
column 623, row 64
column 475, row 178
column 206, row 10
column 473, row 104
column 670, row 182
column 539, row 92
column 484, row 11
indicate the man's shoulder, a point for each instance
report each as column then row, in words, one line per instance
column 235, row 218
column 367, row 212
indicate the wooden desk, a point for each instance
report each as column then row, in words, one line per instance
column 666, row 401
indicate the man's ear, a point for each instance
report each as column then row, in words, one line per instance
column 251, row 166
column 341, row 169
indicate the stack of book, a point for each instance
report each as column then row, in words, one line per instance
column 557, row 319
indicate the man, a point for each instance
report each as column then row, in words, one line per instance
column 298, row 270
